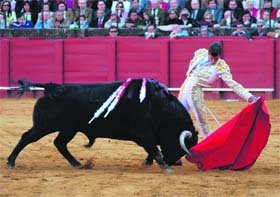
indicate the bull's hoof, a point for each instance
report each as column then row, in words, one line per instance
column 178, row 163
column 168, row 171
column 146, row 164
column 77, row 166
column 10, row 165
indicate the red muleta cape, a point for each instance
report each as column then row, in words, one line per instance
column 237, row 144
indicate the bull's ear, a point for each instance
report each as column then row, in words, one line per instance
column 59, row 91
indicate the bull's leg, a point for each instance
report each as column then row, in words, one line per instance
column 61, row 142
column 156, row 154
column 149, row 160
column 90, row 143
column 32, row 135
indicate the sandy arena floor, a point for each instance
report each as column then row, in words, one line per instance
column 41, row 170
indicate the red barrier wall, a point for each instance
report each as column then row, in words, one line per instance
column 255, row 64
column 35, row 60
column 137, row 57
column 89, row 60
column 277, row 69
column 4, row 65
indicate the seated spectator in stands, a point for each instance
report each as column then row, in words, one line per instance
column 108, row 5
column 228, row 21
column 21, row 23
column 178, row 32
column 82, row 9
column 172, row 17
column 158, row 13
column 2, row 21
column 80, row 23
column 26, row 11
column 215, row 10
column 120, row 11
column 260, row 29
column 274, row 33
column 185, row 18
column 135, row 6
column 148, row 18
column 235, row 9
column 101, row 5
column 52, row 5
column 99, row 22
column 45, row 22
column 267, row 6
column 150, row 32
column 114, row 20
column 113, row 31
column 126, row 5
column 45, row 8
column 277, row 22
column 60, row 21
column 247, row 20
column 249, row 5
column 208, row 20
column 204, row 32
column 241, row 31
column 268, row 21
column 67, row 14
column 134, row 20
column 9, row 15
column 174, row 4
column 196, row 12
column 163, row 5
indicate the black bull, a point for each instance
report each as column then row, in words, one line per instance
column 158, row 120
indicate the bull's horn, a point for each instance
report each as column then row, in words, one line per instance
column 183, row 135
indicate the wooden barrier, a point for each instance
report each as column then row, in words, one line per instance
column 255, row 64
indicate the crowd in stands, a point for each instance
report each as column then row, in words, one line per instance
column 166, row 15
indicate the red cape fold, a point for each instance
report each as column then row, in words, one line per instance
column 237, row 144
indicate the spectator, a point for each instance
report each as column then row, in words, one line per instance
column 136, row 7
column 45, row 8
column 60, row 21
column 228, row 21
column 208, row 20
column 251, row 8
column 274, row 33
column 172, row 17
column 100, row 20
column 158, row 13
column 241, row 31
column 216, row 12
column 277, row 22
column 80, row 23
column 235, row 9
column 204, row 32
column 150, row 32
column 82, row 9
column 102, row 6
column 260, row 29
column 178, row 32
column 163, row 5
column 268, row 21
column 67, row 14
column 185, row 18
column 9, row 15
column 148, row 18
column 45, row 22
column 21, row 22
column 52, row 4
column 247, row 20
column 108, row 4
column 134, row 20
column 174, row 4
column 268, row 7
column 196, row 12
column 120, row 11
column 115, row 21
column 2, row 21
column 126, row 5
column 113, row 31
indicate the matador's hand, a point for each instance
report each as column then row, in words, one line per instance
column 252, row 99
